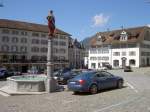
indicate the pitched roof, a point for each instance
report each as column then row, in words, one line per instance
column 4, row 23
column 113, row 37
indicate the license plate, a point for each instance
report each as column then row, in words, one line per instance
column 72, row 82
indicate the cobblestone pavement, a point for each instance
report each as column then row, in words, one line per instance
column 115, row 100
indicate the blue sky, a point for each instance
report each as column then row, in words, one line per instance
column 81, row 18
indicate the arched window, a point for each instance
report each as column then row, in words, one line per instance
column 132, row 62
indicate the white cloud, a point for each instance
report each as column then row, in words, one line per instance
column 148, row 25
column 100, row 20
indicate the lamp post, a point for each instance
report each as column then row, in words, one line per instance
column 52, row 85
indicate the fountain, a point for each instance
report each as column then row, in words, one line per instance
column 36, row 84
column 27, row 83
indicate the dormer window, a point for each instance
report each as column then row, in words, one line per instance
column 123, row 36
column 99, row 38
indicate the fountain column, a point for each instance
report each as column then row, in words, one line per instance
column 52, row 85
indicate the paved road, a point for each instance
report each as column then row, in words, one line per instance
column 134, row 97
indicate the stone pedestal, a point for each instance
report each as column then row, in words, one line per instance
column 52, row 85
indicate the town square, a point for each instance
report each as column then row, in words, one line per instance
column 74, row 56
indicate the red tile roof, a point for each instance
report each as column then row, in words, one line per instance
column 113, row 37
column 4, row 23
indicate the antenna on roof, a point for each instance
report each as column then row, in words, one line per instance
column 122, row 28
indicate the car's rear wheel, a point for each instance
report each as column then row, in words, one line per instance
column 93, row 89
column 120, row 84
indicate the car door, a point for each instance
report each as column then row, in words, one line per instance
column 110, row 81
column 101, row 80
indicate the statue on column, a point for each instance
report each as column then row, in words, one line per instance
column 51, row 24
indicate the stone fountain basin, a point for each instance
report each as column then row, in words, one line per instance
column 27, row 83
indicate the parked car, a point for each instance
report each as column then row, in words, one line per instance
column 108, row 66
column 5, row 73
column 94, row 81
column 127, row 69
column 64, row 77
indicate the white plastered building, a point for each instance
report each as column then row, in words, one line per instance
column 119, row 48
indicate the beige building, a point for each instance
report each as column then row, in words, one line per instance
column 76, row 54
column 24, row 45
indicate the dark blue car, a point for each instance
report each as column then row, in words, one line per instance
column 94, row 81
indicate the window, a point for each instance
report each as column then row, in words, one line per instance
column 93, row 65
column 35, row 41
column 105, row 58
column 14, row 48
column 123, row 36
column 43, row 35
column 14, row 39
column 93, row 51
column 132, row 53
column 35, row 49
column 5, row 48
column 99, row 51
column 5, row 39
column 55, row 42
column 62, row 37
column 116, row 63
column 62, row 51
column 123, row 53
column 55, row 50
column 132, row 62
column 145, row 46
column 62, row 58
column 116, row 53
column 99, row 58
column 43, row 49
column 23, row 49
column 62, row 43
column 106, row 74
column 24, row 33
column 104, row 51
column 14, row 32
column 5, row 31
column 23, row 40
column 44, row 42
column 99, row 65
column 34, row 58
column 35, row 34
column 147, row 36
column 93, row 58
column 43, row 58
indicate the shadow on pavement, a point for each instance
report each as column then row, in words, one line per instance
column 101, row 91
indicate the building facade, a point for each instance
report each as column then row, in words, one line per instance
column 119, row 48
column 76, row 54
column 24, row 45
